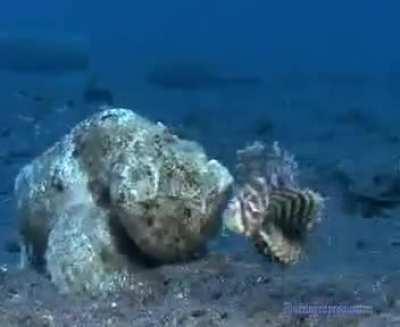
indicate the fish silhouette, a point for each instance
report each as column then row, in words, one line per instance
column 196, row 77
column 38, row 55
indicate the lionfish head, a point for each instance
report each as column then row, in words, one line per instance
column 247, row 209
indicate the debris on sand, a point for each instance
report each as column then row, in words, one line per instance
column 205, row 292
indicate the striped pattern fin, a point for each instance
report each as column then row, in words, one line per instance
column 290, row 215
column 275, row 245
column 293, row 210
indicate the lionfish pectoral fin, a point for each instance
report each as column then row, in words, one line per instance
column 277, row 245
column 295, row 211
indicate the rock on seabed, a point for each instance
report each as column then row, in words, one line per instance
column 114, row 191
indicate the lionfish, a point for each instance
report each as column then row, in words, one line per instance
column 269, row 207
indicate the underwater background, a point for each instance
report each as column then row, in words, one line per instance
column 321, row 78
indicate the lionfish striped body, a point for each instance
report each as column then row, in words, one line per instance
column 277, row 220
column 268, row 206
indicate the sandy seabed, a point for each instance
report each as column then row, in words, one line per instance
column 217, row 290
column 338, row 133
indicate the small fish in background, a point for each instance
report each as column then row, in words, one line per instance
column 5, row 132
column 395, row 242
column 392, row 84
column 396, row 226
column 195, row 123
column 97, row 95
column 26, row 53
column 195, row 76
column 17, row 156
column 39, row 99
column 327, row 135
column 42, row 106
column 70, row 103
column 376, row 197
column 361, row 245
column 264, row 128
column 5, row 197
column 371, row 207
column 64, row 107
column 22, row 94
column 26, row 119
column 358, row 118
column 12, row 246
column 33, row 97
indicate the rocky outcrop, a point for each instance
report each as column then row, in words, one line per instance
column 118, row 189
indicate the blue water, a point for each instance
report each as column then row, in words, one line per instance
column 315, row 62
